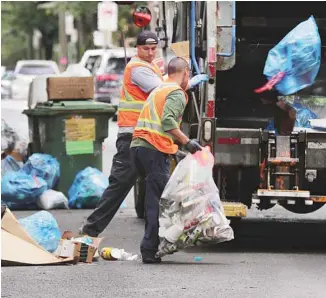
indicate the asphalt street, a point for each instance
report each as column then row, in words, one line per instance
column 275, row 254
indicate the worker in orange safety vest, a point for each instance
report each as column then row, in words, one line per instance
column 141, row 76
column 153, row 141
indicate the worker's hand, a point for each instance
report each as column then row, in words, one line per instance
column 192, row 146
column 196, row 80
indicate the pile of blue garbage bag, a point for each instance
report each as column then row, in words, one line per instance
column 22, row 187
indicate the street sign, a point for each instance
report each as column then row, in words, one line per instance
column 107, row 16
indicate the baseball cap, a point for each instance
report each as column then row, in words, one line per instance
column 146, row 37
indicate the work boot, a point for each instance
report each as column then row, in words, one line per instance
column 150, row 258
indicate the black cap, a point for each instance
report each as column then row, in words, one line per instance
column 146, row 37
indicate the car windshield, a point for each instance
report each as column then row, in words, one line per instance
column 116, row 65
column 36, row 70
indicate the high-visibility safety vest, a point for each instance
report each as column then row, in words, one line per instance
column 149, row 125
column 132, row 98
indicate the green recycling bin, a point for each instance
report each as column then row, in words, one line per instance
column 72, row 132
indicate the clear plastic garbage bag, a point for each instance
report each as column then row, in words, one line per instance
column 43, row 228
column 87, row 188
column 298, row 55
column 52, row 199
column 191, row 212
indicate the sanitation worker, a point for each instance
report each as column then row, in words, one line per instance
column 153, row 142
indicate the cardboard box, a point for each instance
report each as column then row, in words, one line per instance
column 70, row 88
column 18, row 248
column 181, row 49
column 73, row 248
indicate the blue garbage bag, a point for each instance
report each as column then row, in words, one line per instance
column 9, row 164
column 44, row 166
column 298, row 54
column 43, row 228
column 87, row 188
column 20, row 206
column 19, row 187
column 303, row 116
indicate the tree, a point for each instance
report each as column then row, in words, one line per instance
column 24, row 16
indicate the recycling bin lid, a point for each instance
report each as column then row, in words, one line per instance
column 64, row 107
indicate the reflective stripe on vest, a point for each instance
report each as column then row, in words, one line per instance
column 149, row 125
column 132, row 98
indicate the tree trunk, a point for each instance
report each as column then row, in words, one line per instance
column 47, row 45
column 30, row 48
column 81, row 37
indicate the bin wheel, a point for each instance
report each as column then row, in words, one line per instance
column 139, row 196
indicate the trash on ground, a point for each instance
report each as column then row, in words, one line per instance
column 116, row 254
column 12, row 143
column 18, row 188
column 198, row 258
column 87, row 188
column 19, row 248
column 52, row 199
column 44, row 166
column 82, row 249
column 43, row 228
column 191, row 212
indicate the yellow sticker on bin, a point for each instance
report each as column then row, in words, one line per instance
column 80, row 129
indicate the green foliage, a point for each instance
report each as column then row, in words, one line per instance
column 20, row 18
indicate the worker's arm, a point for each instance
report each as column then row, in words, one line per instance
column 145, row 79
column 172, row 113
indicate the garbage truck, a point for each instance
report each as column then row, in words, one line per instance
column 255, row 167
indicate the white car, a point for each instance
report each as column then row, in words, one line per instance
column 107, row 67
column 26, row 70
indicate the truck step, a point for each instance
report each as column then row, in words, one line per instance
column 234, row 209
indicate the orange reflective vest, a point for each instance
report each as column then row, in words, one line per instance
column 132, row 98
column 149, row 125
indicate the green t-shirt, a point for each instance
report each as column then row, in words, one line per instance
column 172, row 113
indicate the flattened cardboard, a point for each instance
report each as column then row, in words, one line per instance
column 16, row 251
column 70, row 88
column 18, row 248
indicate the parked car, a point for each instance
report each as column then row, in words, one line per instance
column 107, row 66
column 26, row 71
column 6, row 84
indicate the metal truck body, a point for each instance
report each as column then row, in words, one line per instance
column 230, row 42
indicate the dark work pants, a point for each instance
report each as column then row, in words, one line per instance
column 155, row 167
column 122, row 178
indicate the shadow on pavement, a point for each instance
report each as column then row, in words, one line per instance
column 273, row 237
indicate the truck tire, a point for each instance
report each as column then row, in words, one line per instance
column 139, row 197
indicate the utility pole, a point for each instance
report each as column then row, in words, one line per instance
column 63, row 59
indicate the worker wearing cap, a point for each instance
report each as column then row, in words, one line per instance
column 153, row 142
column 141, row 76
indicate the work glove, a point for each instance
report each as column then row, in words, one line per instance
column 192, row 146
column 196, row 80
